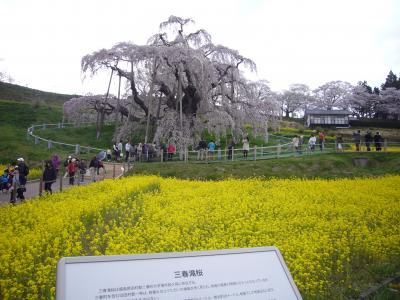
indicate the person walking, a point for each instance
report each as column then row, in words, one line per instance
column 56, row 161
column 49, row 176
column 301, row 141
column 82, row 169
column 295, row 142
column 321, row 140
column 17, row 188
column 171, row 150
column 164, row 150
column 139, row 151
column 246, row 146
column 93, row 168
column 357, row 139
column 116, row 151
column 202, row 149
column 231, row 146
column 120, row 149
column 368, row 140
column 71, row 171
column 339, row 143
column 109, row 155
column 312, row 142
column 211, row 149
column 378, row 141
column 127, row 150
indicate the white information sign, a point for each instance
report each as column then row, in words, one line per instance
column 255, row 273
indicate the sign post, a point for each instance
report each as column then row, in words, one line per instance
column 254, row 273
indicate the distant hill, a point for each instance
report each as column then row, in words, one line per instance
column 16, row 92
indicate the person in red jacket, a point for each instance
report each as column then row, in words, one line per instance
column 71, row 168
column 171, row 151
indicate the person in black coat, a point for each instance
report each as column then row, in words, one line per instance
column 49, row 176
column 368, row 140
column 378, row 141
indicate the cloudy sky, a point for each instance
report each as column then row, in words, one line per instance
column 291, row 41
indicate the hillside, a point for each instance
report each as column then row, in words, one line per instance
column 20, row 107
column 20, row 93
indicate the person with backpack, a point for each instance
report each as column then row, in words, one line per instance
column 49, row 176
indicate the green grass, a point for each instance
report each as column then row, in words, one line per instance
column 323, row 166
column 23, row 94
column 16, row 118
column 85, row 135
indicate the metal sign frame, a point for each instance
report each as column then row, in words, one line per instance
column 63, row 262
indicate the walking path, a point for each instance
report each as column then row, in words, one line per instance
column 32, row 187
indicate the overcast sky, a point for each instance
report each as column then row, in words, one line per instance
column 291, row 41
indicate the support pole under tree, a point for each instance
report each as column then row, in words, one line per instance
column 100, row 117
column 61, row 175
column 114, row 171
column 150, row 97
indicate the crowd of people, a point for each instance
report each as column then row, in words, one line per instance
column 129, row 152
column 369, row 139
column 14, row 177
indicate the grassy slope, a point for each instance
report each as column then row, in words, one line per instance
column 23, row 94
column 16, row 118
column 323, row 166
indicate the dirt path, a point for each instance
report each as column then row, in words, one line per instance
column 32, row 187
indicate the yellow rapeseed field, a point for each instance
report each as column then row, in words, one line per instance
column 334, row 234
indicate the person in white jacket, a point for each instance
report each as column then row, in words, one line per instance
column 311, row 143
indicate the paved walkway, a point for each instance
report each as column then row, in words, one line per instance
column 32, row 187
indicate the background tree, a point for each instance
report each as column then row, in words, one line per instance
column 333, row 94
column 364, row 100
column 297, row 98
column 391, row 81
